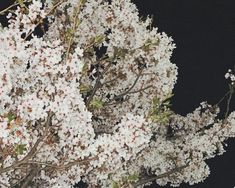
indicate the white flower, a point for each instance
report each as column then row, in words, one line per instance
column 79, row 52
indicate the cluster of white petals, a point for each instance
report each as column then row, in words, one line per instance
column 89, row 100
column 231, row 76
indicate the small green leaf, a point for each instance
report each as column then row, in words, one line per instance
column 115, row 185
column 97, row 103
column 133, row 178
column 168, row 97
column 78, row 22
column 160, row 111
column 10, row 116
column 69, row 32
column 99, row 39
column 120, row 52
column 83, row 2
column 20, row 148
column 161, row 117
column 156, row 101
column 84, row 89
column 21, row 3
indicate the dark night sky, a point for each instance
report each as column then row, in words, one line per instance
column 204, row 33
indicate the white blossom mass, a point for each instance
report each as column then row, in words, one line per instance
column 89, row 100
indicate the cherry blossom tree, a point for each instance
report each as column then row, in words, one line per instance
column 89, row 100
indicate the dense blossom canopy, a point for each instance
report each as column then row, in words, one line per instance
column 89, row 100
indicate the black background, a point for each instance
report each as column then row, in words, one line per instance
column 204, row 33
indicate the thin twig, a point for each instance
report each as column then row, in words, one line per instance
column 140, row 90
column 156, row 177
column 41, row 20
column 222, row 99
column 18, row 181
column 31, row 175
column 10, row 7
column 5, row 185
column 110, row 81
column 118, row 102
column 97, row 85
column 126, row 92
column 74, row 29
column 76, row 162
column 33, row 151
column 95, row 88
column 229, row 101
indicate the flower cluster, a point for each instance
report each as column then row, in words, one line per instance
column 231, row 76
column 89, row 100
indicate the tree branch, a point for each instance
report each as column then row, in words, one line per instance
column 97, row 85
column 33, row 150
column 156, row 177
column 40, row 21
column 231, row 91
column 71, row 39
column 139, row 90
column 126, row 92
column 10, row 7
column 31, row 175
